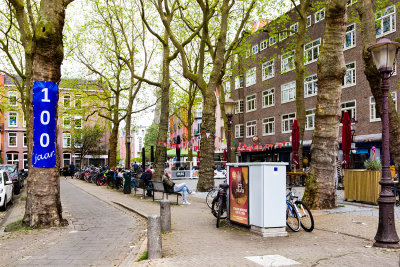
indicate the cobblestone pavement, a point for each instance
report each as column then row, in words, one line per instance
column 102, row 235
column 339, row 239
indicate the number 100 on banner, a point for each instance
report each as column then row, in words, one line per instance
column 45, row 95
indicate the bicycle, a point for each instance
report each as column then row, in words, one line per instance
column 303, row 213
column 210, row 196
column 219, row 206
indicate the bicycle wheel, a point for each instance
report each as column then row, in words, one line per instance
column 220, row 210
column 292, row 219
column 102, row 181
column 215, row 208
column 306, row 218
column 210, row 197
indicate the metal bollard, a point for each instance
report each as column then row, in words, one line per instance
column 154, row 237
column 165, row 214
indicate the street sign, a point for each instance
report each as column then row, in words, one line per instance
column 45, row 95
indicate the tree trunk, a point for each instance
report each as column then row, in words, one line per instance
column 299, row 63
column 161, row 150
column 368, row 38
column 128, row 122
column 320, row 192
column 114, row 144
column 43, row 204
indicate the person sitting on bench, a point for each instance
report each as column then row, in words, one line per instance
column 171, row 187
column 146, row 177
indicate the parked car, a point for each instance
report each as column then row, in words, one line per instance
column 6, row 190
column 16, row 178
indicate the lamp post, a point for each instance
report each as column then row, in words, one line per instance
column 229, row 104
column 383, row 53
column 128, row 152
column 353, row 144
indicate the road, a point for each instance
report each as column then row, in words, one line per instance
column 102, row 235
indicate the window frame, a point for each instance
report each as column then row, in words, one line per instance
column 249, row 77
column 283, row 35
column 265, row 95
column 239, row 130
column 294, row 27
column 252, row 100
column 287, row 120
column 239, row 81
column 264, row 125
column 67, row 135
column 252, row 126
column 309, row 24
column 287, row 88
column 306, row 50
column 265, row 66
column 354, row 75
column 379, row 17
column 270, row 38
column 64, row 99
column 372, row 107
column 9, row 138
column 289, row 57
column 319, row 13
column 24, row 140
column 255, row 49
column 239, row 106
column 77, row 118
column 314, row 83
column 13, row 94
column 342, row 110
column 263, row 44
column 353, row 37
column 308, row 116
column 9, row 119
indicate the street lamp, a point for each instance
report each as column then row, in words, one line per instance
column 229, row 105
column 383, row 53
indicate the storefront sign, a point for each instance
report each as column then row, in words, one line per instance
column 45, row 96
column 239, row 194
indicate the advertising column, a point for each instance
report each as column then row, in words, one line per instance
column 239, row 194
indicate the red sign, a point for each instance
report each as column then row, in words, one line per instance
column 239, row 194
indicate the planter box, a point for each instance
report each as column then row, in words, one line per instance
column 362, row 185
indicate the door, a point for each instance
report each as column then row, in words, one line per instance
column 8, row 187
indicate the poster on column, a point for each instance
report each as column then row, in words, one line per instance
column 239, row 194
column 45, row 95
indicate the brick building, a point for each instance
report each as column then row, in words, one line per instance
column 72, row 108
column 265, row 92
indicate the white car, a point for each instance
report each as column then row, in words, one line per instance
column 6, row 190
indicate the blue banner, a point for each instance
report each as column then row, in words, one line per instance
column 45, row 95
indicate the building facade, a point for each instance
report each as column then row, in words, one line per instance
column 72, row 108
column 265, row 92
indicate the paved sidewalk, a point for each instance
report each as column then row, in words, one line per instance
column 339, row 239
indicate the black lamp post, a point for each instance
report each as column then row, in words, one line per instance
column 383, row 53
column 229, row 105
column 128, row 152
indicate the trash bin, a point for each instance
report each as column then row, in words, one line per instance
column 127, row 183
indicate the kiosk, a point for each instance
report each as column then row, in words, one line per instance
column 257, row 196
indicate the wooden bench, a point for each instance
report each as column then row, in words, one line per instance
column 159, row 187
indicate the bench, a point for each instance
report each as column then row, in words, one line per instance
column 159, row 187
column 140, row 184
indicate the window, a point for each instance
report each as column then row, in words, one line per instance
column 228, row 87
column 272, row 40
column 311, row 85
column 269, row 126
column 239, row 130
column 25, row 140
column 13, row 98
column 308, row 21
column 350, row 40
column 239, row 107
column 294, row 28
column 78, row 101
column 239, row 81
column 350, row 76
column 23, row 121
column 66, row 140
column 12, row 158
column 288, row 92
column 67, row 122
column 251, row 103
column 319, row 15
column 310, row 119
column 283, row 35
column 251, row 128
column 350, row 107
column 268, row 70
column 268, row 98
column 385, row 21
column 254, row 49
column 251, row 77
column 12, row 116
column 25, row 161
column 67, row 101
column 287, row 122
column 78, row 122
column 372, row 107
column 311, row 51
column 263, row 45
column 66, row 159
column 287, row 62
column 12, row 139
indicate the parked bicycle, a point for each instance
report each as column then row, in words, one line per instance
column 298, row 214
column 210, row 196
column 219, row 206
